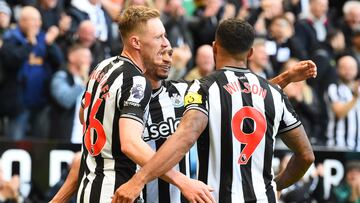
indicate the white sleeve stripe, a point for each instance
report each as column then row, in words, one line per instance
column 290, row 127
column 193, row 107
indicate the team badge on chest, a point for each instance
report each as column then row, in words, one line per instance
column 177, row 100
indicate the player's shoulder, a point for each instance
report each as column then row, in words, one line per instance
column 207, row 81
column 106, row 62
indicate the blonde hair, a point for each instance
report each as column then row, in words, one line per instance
column 134, row 18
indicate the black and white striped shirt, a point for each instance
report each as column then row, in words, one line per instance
column 235, row 150
column 116, row 89
column 165, row 111
column 343, row 132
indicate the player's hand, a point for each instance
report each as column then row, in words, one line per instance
column 302, row 71
column 196, row 191
column 128, row 192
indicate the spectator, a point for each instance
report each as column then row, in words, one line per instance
column 351, row 20
column 206, row 18
column 5, row 15
column 85, row 36
column 94, row 11
column 67, row 87
column 306, row 104
column 261, row 17
column 355, row 46
column 204, row 63
column 349, row 190
column 180, row 59
column 259, row 62
column 325, row 58
column 52, row 15
column 315, row 26
column 31, row 56
column 284, row 45
column 113, row 7
column 344, row 107
column 176, row 25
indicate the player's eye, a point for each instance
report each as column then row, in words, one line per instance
column 170, row 53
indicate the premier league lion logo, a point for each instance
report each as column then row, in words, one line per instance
column 137, row 92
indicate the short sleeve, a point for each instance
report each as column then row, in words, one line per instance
column 196, row 98
column 133, row 98
column 289, row 119
column 333, row 93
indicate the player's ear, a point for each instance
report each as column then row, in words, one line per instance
column 214, row 44
column 250, row 53
column 135, row 42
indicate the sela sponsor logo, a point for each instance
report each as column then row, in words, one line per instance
column 177, row 100
column 161, row 130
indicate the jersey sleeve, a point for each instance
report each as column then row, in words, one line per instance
column 289, row 119
column 133, row 98
column 333, row 93
column 196, row 98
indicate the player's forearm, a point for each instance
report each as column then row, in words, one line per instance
column 191, row 126
column 282, row 80
column 296, row 139
column 69, row 187
column 137, row 150
column 295, row 170
column 141, row 153
column 163, row 163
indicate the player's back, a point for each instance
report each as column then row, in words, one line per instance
column 116, row 89
column 235, row 150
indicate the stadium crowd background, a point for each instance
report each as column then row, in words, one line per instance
column 48, row 50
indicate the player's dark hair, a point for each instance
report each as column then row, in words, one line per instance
column 235, row 36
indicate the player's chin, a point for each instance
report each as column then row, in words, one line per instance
column 163, row 75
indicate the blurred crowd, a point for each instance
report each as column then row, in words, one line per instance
column 48, row 49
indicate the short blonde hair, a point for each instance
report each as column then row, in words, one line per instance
column 134, row 19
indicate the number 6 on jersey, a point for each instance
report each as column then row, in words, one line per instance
column 94, row 147
column 253, row 139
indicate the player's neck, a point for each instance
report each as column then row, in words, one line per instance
column 155, row 84
column 229, row 61
column 135, row 58
column 255, row 67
